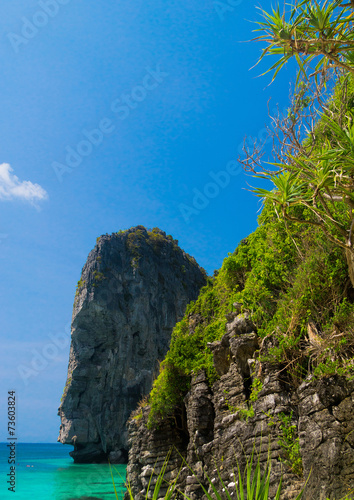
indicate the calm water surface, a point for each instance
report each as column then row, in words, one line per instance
column 46, row 471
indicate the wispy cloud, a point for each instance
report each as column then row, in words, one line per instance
column 12, row 188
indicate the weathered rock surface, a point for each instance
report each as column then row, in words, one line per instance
column 134, row 287
column 224, row 422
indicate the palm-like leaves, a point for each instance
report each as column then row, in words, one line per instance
column 341, row 156
column 344, row 138
column 319, row 172
column 310, row 31
column 288, row 190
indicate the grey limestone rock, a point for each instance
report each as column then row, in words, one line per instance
column 133, row 289
column 221, row 432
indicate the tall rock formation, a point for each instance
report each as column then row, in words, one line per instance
column 133, row 289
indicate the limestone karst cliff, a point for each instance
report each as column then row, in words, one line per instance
column 133, row 289
column 217, row 426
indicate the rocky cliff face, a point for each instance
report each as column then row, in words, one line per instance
column 252, row 404
column 133, row 289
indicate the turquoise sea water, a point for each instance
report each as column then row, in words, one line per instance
column 46, row 471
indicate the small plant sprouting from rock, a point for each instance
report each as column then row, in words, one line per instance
column 289, row 442
column 248, row 412
column 98, row 276
column 256, row 389
column 80, row 284
column 65, row 388
column 139, row 415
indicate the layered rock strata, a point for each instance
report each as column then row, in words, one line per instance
column 133, row 289
column 226, row 422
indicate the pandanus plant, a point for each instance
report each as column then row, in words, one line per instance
column 310, row 31
column 319, row 178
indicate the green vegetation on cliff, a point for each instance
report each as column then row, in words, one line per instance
column 290, row 278
column 316, row 172
column 294, row 274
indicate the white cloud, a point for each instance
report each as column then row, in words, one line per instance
column 12, row 188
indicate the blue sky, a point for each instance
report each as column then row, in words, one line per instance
column 155, row 100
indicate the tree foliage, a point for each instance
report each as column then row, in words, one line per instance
column 314, row 143
column 310, row 31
